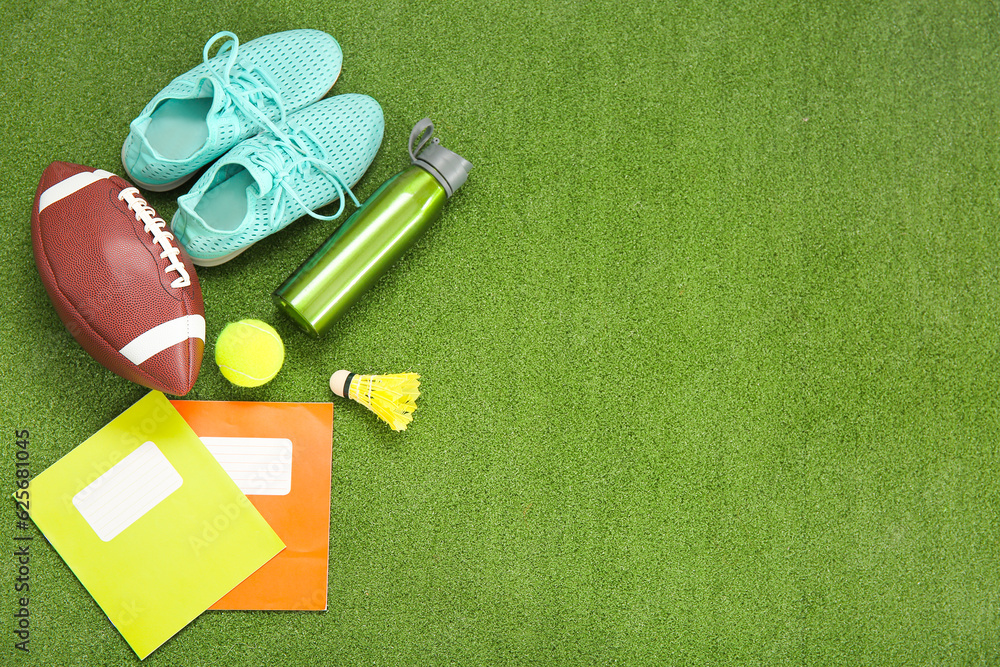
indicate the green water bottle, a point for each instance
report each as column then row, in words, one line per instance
column 372, row 239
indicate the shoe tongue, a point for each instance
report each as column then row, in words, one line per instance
column 241, row 156
column 221, row 127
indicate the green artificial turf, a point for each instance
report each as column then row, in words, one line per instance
column 709, row 340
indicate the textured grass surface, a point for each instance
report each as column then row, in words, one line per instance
column 709, row 339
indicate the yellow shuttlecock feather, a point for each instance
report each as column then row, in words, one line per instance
column 392, row 397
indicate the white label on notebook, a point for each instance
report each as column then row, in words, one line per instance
column 259, row 466
column 132, row 487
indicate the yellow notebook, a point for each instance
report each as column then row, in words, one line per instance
column 150, row 523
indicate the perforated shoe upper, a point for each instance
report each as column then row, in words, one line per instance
column 249, row 86
column 314, row 159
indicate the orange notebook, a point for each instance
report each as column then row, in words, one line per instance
column 279, row 455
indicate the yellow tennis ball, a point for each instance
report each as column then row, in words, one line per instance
column 249, row 353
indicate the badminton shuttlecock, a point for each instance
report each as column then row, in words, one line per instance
column 392, row 397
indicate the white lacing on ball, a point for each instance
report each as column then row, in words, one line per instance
column 153, row 224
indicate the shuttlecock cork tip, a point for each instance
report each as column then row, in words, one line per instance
column 340, row 383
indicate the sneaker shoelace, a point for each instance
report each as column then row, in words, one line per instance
column 286, row 154
column 246, row 94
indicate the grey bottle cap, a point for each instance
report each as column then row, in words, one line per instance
column 449, row 168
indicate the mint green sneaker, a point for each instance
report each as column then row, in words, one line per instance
column 278, row 176
column 242, row 90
